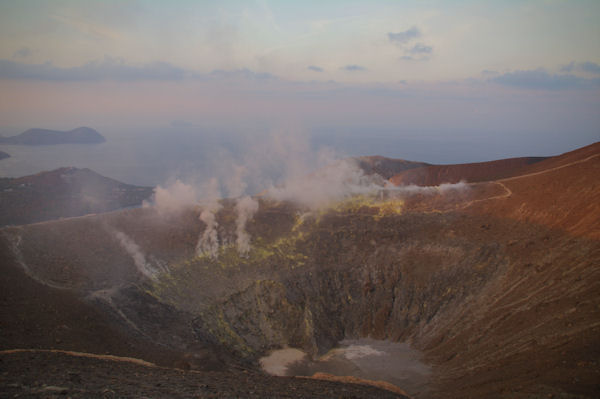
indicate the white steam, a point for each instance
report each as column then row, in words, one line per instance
column 359, row 351
column 343, row 179
column 339, row 180
column 245, row 207
column 235, row 184
column 139, row 259
column 460, row 186
column 178, row 196
column 208, row 243
column 282, row 167
column 443, row 188
column 174, row 197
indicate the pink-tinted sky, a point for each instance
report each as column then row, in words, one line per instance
column 524, row 69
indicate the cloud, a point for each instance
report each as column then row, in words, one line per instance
column 488, row 72
column 418, row 52
column 540, row 79
column 568, row 68
column 587, row 66
column 315, row 68
column 23, row 52
column 118, row 70
column 590, row 67
column 108, row 68
column 241, row 73
column 354, row 68
column 405, row 36
column 420, row 48
column 417, row 58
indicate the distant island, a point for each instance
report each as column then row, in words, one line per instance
column 80, row 135
column 4, row 155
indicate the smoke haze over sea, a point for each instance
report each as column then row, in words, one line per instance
column 156, row 156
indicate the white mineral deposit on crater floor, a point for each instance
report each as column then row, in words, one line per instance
column 396, row 363
column 277, row 362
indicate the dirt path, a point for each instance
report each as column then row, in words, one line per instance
column 508, row 192
column 82, row 354
column 549, row 170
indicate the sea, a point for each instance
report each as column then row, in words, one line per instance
column 156, row 156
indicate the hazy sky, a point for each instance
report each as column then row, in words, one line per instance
column 524, row 70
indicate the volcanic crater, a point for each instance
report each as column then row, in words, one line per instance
column 496, row 285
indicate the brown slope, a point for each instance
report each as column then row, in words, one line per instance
column 434, row 175
column 561, row 192
column 37, row 316
column 565, row 158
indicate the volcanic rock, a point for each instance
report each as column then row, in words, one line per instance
column 496, row 283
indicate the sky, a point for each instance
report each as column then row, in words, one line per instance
column 498, row 72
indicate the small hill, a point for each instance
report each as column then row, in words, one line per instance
column 4, row 155
column 80, row 135
column 386, row 167
column 64, row 192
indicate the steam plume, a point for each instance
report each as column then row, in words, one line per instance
column 245, row 207
column 286, row 168
column 208, row 243
column 341, row 179
column 139, row 259
column 235, row 184
column 174, row 198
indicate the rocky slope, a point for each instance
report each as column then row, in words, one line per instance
column 496, row 283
